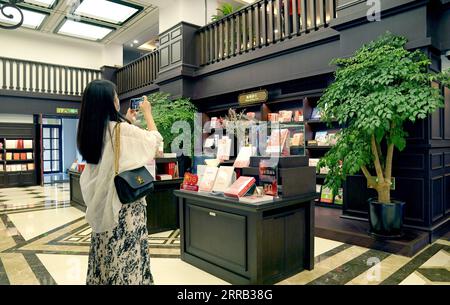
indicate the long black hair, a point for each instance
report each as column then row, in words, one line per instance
column 97, row 109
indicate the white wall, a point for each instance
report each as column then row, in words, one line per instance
column 50, row 48
column 69, row 140
column 173, row 12
column 16, row 118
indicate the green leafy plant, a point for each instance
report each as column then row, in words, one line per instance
column 224, row 10
column 166, row 112
column 375, row 92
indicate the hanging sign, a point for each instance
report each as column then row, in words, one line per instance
column 253, row 97
column 67, row 110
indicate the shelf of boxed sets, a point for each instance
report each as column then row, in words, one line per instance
column 16, row 155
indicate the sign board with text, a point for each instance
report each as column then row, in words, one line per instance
column 253, row 97
column 67, row 111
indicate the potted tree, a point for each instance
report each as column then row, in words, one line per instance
column 375, row 92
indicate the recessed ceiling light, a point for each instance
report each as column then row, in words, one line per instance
column 135, row 41
column 83, row 30
column 31, row 19
column 114, row 12
column 131, row 45
column 44, row 3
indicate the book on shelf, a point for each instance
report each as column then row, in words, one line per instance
column 29, row 156
column 225, row 177
column 224, row 148
column 209, row 142
column 285, row 116
column 322, row 138
column 326, row 195
column 277, row 142
column 201, row 171
column 207, row 180
column 28, row 144
column 169, row 155
column 2, row 168
column 170, row 169
column 298, row 139
column 9, row 156
column 30, row 166
column 16, row 156
column 240, row 187
column 339, row 198
column 10, row 144
column 243, row 157
column 318, row 188
column 256, row 199
column 268, row 177
column 23, row 156
column 324, row 170
column 212, row 162
column 298, row 116
column 23, row 167
column 163, row 177
column 333, row 136
column 316, row 114
column 313, row 162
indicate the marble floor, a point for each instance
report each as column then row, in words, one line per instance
column 45, row 241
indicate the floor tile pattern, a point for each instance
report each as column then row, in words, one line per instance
column 44, row 240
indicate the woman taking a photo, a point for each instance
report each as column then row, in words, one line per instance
column 119, row 246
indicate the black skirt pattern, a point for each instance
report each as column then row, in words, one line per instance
column 121, row 256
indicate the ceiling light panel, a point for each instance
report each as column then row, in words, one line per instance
column 31, row 19
column 44, row 3
column 106, row 10
column 83, row 30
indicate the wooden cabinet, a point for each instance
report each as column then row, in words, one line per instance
column 75, row 189
column 247, row 243
column 218, row 236
column 162, row 207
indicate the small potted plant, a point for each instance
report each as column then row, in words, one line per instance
column 375, row 92
column 167, row 112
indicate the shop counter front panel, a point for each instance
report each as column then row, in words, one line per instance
column 247, row 243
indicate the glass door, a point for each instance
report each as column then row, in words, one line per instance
column 51, row 138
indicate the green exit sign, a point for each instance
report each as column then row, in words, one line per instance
column 67, row 110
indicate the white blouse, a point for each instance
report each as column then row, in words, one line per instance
column 137, row 148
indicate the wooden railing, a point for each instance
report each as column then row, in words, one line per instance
column 139, row 73
column 260, row 24
column 31, row 76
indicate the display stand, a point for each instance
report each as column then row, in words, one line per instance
column 17, row 162
column 247, row 243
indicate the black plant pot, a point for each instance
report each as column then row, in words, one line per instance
column 386, row 219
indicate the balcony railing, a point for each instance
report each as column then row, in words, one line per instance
column 139, row 73
column 260, row 24
column 31, row 76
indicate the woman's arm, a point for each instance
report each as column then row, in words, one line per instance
column 146, row 108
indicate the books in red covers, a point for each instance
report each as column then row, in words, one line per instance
column 169, row 168
column 23, row 156
column 240, row 187
column 16, row 156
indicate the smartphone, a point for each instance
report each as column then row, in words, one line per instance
column 135, row 103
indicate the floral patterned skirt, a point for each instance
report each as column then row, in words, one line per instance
column 121, row 256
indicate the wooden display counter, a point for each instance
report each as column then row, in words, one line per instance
column 162, row 207
column 75, row 190
column 244, row 243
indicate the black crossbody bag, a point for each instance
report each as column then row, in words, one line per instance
column 134, row 184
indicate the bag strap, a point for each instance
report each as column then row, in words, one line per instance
column 116, row 148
